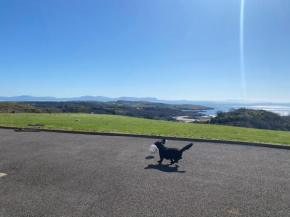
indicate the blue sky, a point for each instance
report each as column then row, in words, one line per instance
column 169, row 49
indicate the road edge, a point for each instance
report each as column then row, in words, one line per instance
column 265, row 145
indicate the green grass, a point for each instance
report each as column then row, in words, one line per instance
column 122, row 124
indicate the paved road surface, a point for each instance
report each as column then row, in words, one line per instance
column 55, row 174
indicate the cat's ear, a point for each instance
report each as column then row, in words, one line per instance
column 163, row 141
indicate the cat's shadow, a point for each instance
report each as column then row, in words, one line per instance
column 165, row 168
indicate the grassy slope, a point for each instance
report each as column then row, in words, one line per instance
column 121, row 124
column 17, row 107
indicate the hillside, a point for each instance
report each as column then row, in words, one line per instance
column 10, row 107
column 259, row 119
column 141, row 109
column 122, row 124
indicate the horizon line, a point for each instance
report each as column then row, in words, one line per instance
column 195, row 100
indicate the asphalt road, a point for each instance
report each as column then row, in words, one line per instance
column 57, row 174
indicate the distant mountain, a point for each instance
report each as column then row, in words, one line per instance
column 85, row 98
column 220, row 105
column 27, row 98
column 33, row 98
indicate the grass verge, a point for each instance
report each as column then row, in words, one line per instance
column 122, row 124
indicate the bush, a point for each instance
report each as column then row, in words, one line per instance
column 252, row 118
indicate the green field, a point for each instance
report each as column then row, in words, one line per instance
column 122, row 124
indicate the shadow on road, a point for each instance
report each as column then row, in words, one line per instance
column 164, row 168
column 149, row 157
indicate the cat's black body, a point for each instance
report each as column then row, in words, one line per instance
column 172, row 154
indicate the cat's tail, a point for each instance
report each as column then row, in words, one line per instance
column 186, row 147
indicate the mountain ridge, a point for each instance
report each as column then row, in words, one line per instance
column 209, row 103
column 90, row 98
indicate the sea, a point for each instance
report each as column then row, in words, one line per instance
column 282, row 109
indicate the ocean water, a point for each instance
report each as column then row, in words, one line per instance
column 282, row 109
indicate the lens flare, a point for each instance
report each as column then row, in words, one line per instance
column 243, row 75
